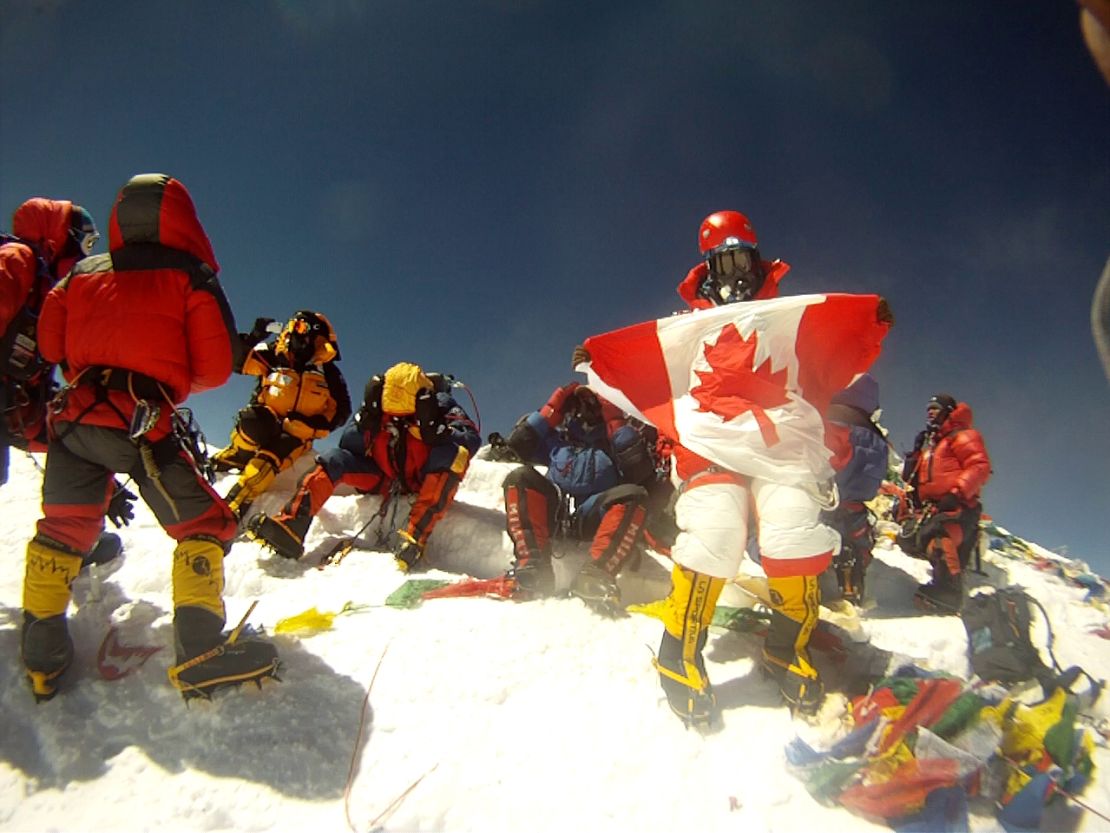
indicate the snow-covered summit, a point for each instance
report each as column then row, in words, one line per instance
column 534, row 716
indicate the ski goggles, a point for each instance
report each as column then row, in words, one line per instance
column 85, row 239
column 732, row 260
column 304, row 326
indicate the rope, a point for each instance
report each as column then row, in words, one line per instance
column 395, row 803
column 391, row 505
column 358, row 742
column 455, row 383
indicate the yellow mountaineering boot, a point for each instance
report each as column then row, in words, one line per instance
column 686, row 617
column 795, row 603
column 45, row 645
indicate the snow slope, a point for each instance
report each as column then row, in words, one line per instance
column 538, row 716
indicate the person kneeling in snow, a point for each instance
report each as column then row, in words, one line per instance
column 301, row 396
column 409, row 437
column 602, row 483
column 947, row 469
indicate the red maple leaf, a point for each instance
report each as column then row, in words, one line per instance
column 735, row 386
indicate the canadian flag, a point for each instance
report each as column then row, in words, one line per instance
column 743, row 385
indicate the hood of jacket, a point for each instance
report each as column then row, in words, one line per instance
column 863, row 393
column 156, row 208
column 959, row 419
column 45, row 224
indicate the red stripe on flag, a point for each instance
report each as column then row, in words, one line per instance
column 836, row 340
column 650, row 388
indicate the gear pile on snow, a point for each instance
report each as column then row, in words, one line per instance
column 921, row 746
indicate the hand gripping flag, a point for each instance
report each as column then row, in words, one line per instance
column 743, row 385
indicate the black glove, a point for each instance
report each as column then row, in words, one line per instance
column 441, row 382
column 429, row 417
column 883, row 313
column 406, row 551
column 369, row 416
column 948, row 503
column 580, row 354
column 121, row 510
column 500, row 451
column 259, row 330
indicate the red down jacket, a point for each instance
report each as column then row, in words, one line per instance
column 958, row 462
column 152, row 305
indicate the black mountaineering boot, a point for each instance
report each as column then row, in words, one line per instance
column 47, row 652
column 534, row 578
column 208, row 660
column 277, row 535
column 598, row 590
column 943, row 595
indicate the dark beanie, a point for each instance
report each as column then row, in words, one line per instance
column 944, row 400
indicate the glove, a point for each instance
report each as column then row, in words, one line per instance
column 429, row 417
column 369, row 416
column 121, row 510
column 556, row 405
column 406, row 551
column 441, row 382
column 500, row 451
column 259, row 330
column 580, row 355
column 948, row 503
column 883, row 314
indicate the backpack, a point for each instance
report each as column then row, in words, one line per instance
column 998, row 640
column 19, row 347
column 1000, row 647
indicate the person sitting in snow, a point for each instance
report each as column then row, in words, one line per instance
column 947, row 470
column 301, row 396
column 603, row 484
column 136, row 331
column 410, row 437
column 860, row 459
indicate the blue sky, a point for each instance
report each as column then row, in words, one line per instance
column 479, row 185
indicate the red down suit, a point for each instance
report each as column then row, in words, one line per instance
column 147, row 321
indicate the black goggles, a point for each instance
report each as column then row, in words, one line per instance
column 85, row 239
column 733, row 260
